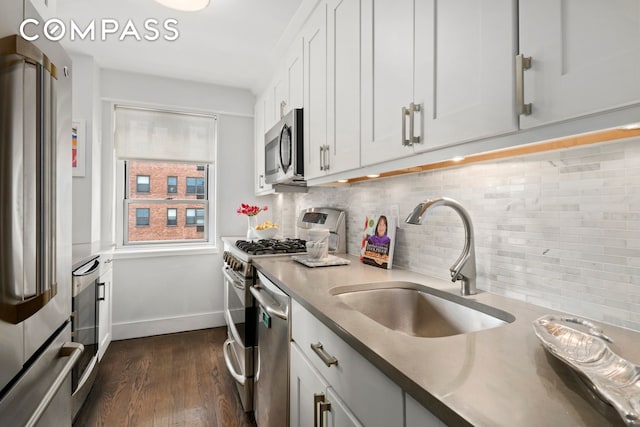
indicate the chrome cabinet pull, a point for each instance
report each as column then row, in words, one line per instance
column 405, row 113
column 323, row 355
column 412, row 111
column 322, row 157
column 72, row 350
column 522, row 63
column 260, row 180
column 320, row 406
column 327, row 163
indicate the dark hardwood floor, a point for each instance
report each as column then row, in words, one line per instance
column 167, row 380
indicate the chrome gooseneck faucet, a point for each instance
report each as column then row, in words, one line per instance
column 464, row 269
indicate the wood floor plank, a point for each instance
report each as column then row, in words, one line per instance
column 176, row 380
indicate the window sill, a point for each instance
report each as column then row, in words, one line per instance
column 128, row 252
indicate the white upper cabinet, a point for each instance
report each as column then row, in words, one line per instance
column 387, row 77
column 464, row 70
column 585, row 57
column 269, row 102
column 260, row 186
column 314, row 36
column 343, row 85
column 294, row 76
column 435, row 73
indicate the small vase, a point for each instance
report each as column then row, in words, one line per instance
column 252, row 222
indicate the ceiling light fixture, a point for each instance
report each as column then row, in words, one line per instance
column 185, row 5
column 457, row 159
column 373, row 175
column 343, row 181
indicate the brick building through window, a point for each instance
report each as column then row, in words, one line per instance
column 160, row 206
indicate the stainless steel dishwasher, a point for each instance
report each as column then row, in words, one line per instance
column 271, row 388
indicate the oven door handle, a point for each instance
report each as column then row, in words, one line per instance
column 270, row 308
column 230, row 278
column 241, row 379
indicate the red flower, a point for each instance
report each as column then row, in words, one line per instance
column 250, row 210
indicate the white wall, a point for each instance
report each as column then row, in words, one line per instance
column 170, row 293
column 86, row 109
column 559, row 229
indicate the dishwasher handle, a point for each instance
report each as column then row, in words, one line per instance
column 269, row 307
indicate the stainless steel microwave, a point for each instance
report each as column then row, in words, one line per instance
column 283, row 152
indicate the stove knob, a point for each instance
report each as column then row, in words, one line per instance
column 225, row 256
column 237, row 265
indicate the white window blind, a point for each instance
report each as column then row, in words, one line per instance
column 143, row 134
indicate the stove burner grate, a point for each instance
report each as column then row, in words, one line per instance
column 272, row 246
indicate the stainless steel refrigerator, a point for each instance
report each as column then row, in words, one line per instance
column 36, row 349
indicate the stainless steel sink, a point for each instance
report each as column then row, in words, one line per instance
column 418, row 310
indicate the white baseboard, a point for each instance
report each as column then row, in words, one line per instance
column 167, row 325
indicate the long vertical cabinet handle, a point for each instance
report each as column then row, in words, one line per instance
column 320, row 406
column 405, row 141
column 322, row 157
column 412, row 111
column 522, row 63
column 327, row 153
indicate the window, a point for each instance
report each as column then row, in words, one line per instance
column 143, row 184
column 142, row 217
column 195, row 186
column 195, row 216
column 172, row 216
column 172, row 184
column 154, row 146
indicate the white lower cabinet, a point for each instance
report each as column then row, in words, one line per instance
column 358, row 393
column 313, row 402
column 105, row 291
column 417, row 415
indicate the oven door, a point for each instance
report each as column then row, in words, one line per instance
column 238, row 348
column 84, row 329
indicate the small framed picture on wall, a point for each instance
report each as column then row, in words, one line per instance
column 78, row 157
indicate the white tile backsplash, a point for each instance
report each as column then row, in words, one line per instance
column 559, row 229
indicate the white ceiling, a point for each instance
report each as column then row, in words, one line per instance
column 231, row 42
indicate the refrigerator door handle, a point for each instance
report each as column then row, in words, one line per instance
column 72, row 350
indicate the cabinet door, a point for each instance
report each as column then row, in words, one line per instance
column 305, row 383
column 464, row 70
column 314, row 35
column 343, row 85
column 104, row 310
column 585, row 57
column 417, row 415
column 339, row 415
column 294, row 74
column 269, row 103
column 387, row 77
column 260, row 186
column 280, row 98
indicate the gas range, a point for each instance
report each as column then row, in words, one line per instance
column 238, row 254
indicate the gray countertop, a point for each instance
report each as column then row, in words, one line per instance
column 496, row 377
